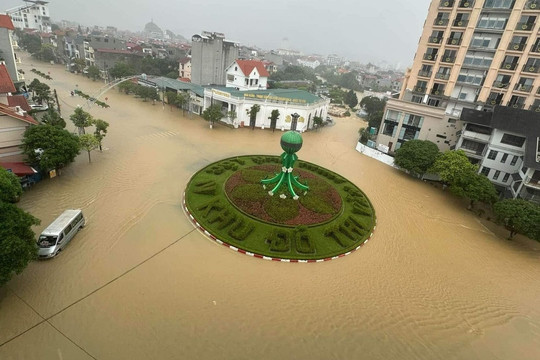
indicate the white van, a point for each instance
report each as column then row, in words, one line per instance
column 58, row 234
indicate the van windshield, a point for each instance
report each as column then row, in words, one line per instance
column 46, row 241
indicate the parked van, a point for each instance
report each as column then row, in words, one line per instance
column 58, row 234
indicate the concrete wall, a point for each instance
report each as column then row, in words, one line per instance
column 7, row 54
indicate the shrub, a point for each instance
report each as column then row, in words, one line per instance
column 254, row 176
column 280, row 209
column 251, row 192
column 316, row 204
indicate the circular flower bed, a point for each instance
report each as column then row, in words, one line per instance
column 227, row 199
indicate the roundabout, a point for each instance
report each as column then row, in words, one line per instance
column 261, row 206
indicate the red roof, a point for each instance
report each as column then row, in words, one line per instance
column 4, row 109
column 185, row 79
column 18, row 100
column 6, row 84
column 184, row 60
column 247, row 67
column 5, row 22
column 18, row 168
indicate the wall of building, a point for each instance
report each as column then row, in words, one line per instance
column 7, row 54
column 11, row 135
column 209, row 59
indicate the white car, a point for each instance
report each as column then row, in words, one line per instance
column 39, row 107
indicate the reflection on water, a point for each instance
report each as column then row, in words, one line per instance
column 138, row 282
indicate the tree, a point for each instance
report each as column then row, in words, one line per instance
column 101, row 130
column 274, row 116
column 232, row 115
column 127, row 86
column 121, row 69
column 49, row 146
column 93, row 72
column 453, row 167
column 182, row 99
column 30, row 43
column 375, row 119
column 212, row 113
column 52, row 118
column 372, row 104
column 171, row 97
column 351, row 99
column 81, row 119
column 80, row 64
column 519, row 216
column 479, row 188
column 416, row 156
column 88, row 143
column 364, row 135
column 252, row 112
column 42, row 92
column 46, row 53
column 17, row 240
column 318, row 121
column 10, row 186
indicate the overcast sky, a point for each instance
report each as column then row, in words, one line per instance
column 363, row 30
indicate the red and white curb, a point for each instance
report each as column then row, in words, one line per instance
column 259, row 256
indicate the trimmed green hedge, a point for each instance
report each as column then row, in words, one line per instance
column 207, row 201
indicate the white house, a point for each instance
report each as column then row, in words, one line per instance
column 247, row 75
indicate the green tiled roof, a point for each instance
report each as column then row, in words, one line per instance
column 289, row 95
column 162, row 82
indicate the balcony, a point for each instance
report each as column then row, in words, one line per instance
column 531, row 68
column 453, row 41
column 446, row 4
column 440, row 22
column 466, row 4
column 425, row 73
column 449, row 59
column 435, row 40
column 509, row 66
column 516, row 46
column 419, row 89
column 430, row 57
column 533, row 181
column 535, row 108
column 516, row 105
column 476, row 136
column 500, row 85
column 522, row 26
column 536, row 48
column 437, row 92
column 461, row 23
column 478, row 154
column 442, row 76
column 493, row 102
column 532, row 5
column 523, row 88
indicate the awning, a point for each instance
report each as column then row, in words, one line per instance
column 18, row 168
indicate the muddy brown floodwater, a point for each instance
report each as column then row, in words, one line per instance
column 138, row 282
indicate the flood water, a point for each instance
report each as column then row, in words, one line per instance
column 138, row 282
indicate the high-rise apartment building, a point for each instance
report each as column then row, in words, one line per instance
column 473, row 54
column 33, row 14
column 211, row 54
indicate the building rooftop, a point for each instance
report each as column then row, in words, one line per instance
column 6, row 110
column 247, row 67
column 6, row 23
column 6, row 84
column 18, row 100
column 284, row 95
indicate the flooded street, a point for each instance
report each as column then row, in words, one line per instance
column 139, row 282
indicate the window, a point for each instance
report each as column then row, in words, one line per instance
column 492, row 22
column 393, row 115
column 492, row 155
column 485, row 171
column 504, row 157
column 514, row 160
column 513, row 140
column 230, row 77
column 496, row 175
column 452, row 121
column 416, row 99
column 473, row 146
column 473, row 79
column 505, row 178
column 499, row 4
column 413, row 120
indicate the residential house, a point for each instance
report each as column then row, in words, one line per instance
column 184, row 69
column 247, row 75
column 7, row 55
column 33, row 15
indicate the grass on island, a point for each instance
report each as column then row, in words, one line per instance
column 332, row 218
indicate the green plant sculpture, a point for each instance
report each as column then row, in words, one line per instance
column 291, row 142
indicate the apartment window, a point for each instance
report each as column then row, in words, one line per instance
column 393, row 115
column 524, row 84
column 416, row 99
column 455, row 38
column 420, row 86
column 492, row 22
column 443, row 73
column 230, row 77
column 536, row 46
column 449, row 56
column 517, row 43
column 433, row 102
column 431, row 54
column 502, row 81
column 441, row 19
column 499, row 4
column 492, row 155
column 477, row 60
column 389, row 129
column 479, row 41
column 485, row 171
column 503, row 158
column 526, row 23
column 517, row 102
column 473, row 146
column 510, row 62
column 438, row 89
column 436, row 37
column 513, row 140
column 496, row 175
column 514, row 160
column 452, row 121
column 506, row 177
column 413, row 120
column 473, row 79
column 446, row 3
column 532, row 65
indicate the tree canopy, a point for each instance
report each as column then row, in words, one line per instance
column 52, row 118
column 100, row 131
column 212, row 113
column 81, row 119
column 17, row 242
column 121, row 69
column 519, row 216
column 374, row 107
column 93, row 72
column 351, row 99
column 10, row 186
column 49, row 146
column 416, row 156
column 88, row 143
